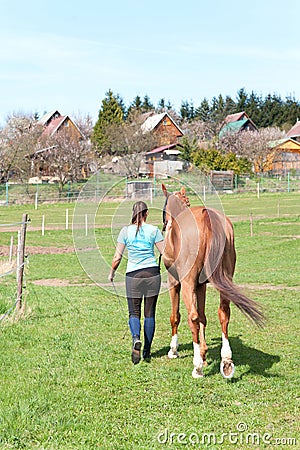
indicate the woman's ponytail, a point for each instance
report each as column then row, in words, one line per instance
column 139, row 212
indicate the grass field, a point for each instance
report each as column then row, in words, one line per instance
column 67, row 381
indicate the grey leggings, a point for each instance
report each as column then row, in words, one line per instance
column 143, row 283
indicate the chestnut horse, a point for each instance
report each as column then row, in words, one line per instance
column 199, row 248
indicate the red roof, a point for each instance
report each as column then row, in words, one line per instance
column 54, row 125
column 295, row 130
column 235, row 117
column 162, row 149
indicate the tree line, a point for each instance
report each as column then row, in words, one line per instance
column 24, row 151
column 270, row 110
column 118, row 130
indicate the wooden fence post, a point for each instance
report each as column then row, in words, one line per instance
column 11, row 249
column 21, row 261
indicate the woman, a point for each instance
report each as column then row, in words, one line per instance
column 142, row 276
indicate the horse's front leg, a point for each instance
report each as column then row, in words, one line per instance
column 190, row 299
column 226, row 366
column 174, row 290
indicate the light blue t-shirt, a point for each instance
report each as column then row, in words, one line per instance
column 141, row 246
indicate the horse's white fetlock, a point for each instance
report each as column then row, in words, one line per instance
column 197, row 361
column 173, row 347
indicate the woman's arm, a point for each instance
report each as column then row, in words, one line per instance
column 160, row 246
column 116, row 260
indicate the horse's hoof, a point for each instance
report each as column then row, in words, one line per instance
column 197, row 373
column 227, row 369
column 172, row 354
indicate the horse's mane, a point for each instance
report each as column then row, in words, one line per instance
column 177, row 204
column 183, row 197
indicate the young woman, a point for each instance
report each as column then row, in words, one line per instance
column 142, row 276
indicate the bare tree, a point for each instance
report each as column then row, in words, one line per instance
column 66, row 157
column 205, row 132
column 18, row 140
column 85, row 124
column 129, row 143
column 253, row 145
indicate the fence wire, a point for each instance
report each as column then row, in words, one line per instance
column 17, row 268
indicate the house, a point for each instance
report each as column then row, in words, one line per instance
column 294, row 132
column 235, row 123
column 162, row 125
column 284, row 156
column 164, row 160
column 53, row 122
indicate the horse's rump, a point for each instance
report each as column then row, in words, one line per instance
column 220, row 264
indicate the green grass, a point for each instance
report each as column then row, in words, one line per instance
column 236, row 206
column 67, row 381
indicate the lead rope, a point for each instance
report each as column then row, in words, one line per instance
column 121, row 306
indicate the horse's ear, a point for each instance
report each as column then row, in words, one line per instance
column 164, row 189
column 182, row 190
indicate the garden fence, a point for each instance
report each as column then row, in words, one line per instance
column 16, row 266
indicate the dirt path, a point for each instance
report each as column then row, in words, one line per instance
column 257, row 287
column 38, row 250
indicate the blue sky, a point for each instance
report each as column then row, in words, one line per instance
column 66, row 55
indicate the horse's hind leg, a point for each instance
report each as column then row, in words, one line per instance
column 174, row 317
column 190, row 299
column 201, row 293
column 227, row 366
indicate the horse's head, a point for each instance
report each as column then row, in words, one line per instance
column 182, row 196
column 178, row 201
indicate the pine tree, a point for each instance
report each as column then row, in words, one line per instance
column 136, row 105
column 253, row 108
column 189, row 146
column 147, row 105
column 242, row 98
column 187, row 110
column 161, row 106
column 203, row 111
column 229, row 106
column 291, row 112
column 111, row 112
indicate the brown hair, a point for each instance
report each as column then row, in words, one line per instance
column 139, row 211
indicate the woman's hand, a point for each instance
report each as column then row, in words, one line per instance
column 111, row 275
column 169, row 225
column 116, row 261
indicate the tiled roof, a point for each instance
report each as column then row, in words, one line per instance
column 43, row 120
column 235, row 117
column 295, row 130
column 153, row 120
column 163, row 148
column 54, row 125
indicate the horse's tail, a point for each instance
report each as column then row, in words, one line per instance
column 220, row 264
column 229, row 291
